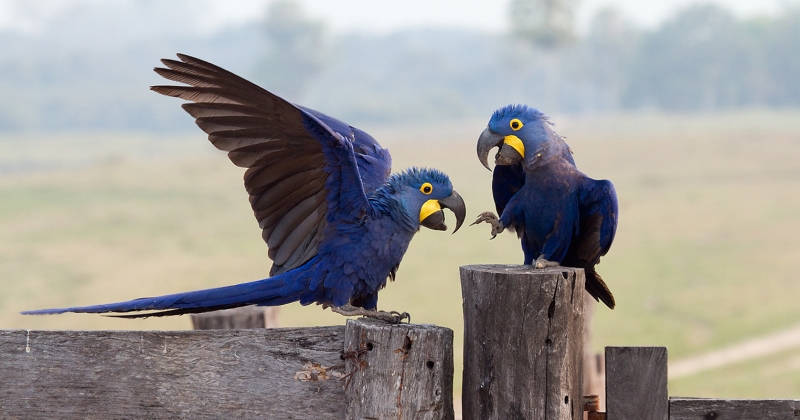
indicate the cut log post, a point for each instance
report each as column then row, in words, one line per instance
column 523, row 342
column 594, row 365
column 237, row 318
column 636, row 383
column 398, row 371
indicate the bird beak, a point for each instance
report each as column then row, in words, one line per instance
column 432, row 216
column 511, row 152
column 486, row 142
column 511, row 148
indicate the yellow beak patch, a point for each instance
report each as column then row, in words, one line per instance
column 430, row 207
column 516, row 143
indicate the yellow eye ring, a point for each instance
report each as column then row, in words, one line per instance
column 515, row 124
column 426, row 188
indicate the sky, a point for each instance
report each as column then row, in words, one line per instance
column 372, row 16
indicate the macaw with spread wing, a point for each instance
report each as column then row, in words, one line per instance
column 562, row 216
column 336, row 223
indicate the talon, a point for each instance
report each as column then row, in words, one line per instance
column 542, row 263
column 399, row 317
column 492, row 219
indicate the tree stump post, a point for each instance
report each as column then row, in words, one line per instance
column 523, row 344
column 398, row 372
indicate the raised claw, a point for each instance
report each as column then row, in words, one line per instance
column 492, row 219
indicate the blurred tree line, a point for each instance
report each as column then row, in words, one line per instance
column 702, row 59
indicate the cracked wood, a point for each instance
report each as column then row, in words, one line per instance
column 404, row 372
column 171, row 374
column 523, row 343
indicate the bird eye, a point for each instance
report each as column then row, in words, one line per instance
column 426, row 188
column 515, row 124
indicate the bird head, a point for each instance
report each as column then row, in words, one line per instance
column 522, row 134
column 424, row 193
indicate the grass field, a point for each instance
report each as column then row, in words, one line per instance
column 707, row 252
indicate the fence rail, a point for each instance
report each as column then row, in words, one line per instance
column 522, row 360
column 296, row 373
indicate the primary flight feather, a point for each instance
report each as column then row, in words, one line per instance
column 336, row 223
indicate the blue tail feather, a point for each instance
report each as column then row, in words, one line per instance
column 266, row 292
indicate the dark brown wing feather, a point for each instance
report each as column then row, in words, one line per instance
column 262, row 132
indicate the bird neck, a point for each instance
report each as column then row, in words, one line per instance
column 384, row 202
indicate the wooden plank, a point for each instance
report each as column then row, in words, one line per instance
column 237, row 318
column 402, row 372
column 523, row 344
column 705, row 409
column 266, row 373
column 636, row 383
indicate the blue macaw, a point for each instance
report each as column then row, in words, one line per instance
column 335, row 221
column 562, row 216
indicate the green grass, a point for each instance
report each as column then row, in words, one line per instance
column 707, row 252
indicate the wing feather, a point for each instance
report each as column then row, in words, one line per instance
column 300, row 162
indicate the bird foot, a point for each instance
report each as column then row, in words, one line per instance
column 492, row 219
column 392, row 317
column 542, row 263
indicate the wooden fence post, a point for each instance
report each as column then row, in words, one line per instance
column 402, row 371
column 523, row 344
column 245, row 317
column 636, row 383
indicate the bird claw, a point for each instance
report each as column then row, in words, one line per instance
column 542, row 263
column 400, row 316
column 492, row 219
column 392, row 317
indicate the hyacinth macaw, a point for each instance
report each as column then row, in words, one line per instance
column 335, row 221
column 562, row 216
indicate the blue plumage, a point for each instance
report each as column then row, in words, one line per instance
column 336, row 222
column 561, row 215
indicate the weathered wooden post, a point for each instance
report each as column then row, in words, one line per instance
column 636, row 383
column 380, row 371
column 398, row 372
column 237, row 318
column 523, row 344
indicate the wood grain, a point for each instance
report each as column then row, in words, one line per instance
column 713, row 409
column 266, row 373
column 406, row 371
column 636, row 383
column 522, row 342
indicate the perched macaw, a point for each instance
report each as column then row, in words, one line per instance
column 335, row 221
column 561, row 215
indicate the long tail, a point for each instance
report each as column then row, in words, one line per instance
column 266, row 292
column 597, row 287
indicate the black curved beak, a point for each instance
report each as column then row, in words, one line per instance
column 486, row 142
column 456, row 204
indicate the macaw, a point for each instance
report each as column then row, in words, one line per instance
column 336, row 222
column 562, row 216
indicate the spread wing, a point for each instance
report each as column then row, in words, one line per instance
column 301, row 173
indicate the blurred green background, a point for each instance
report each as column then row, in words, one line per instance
column 108, row 192
column 706, row 254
